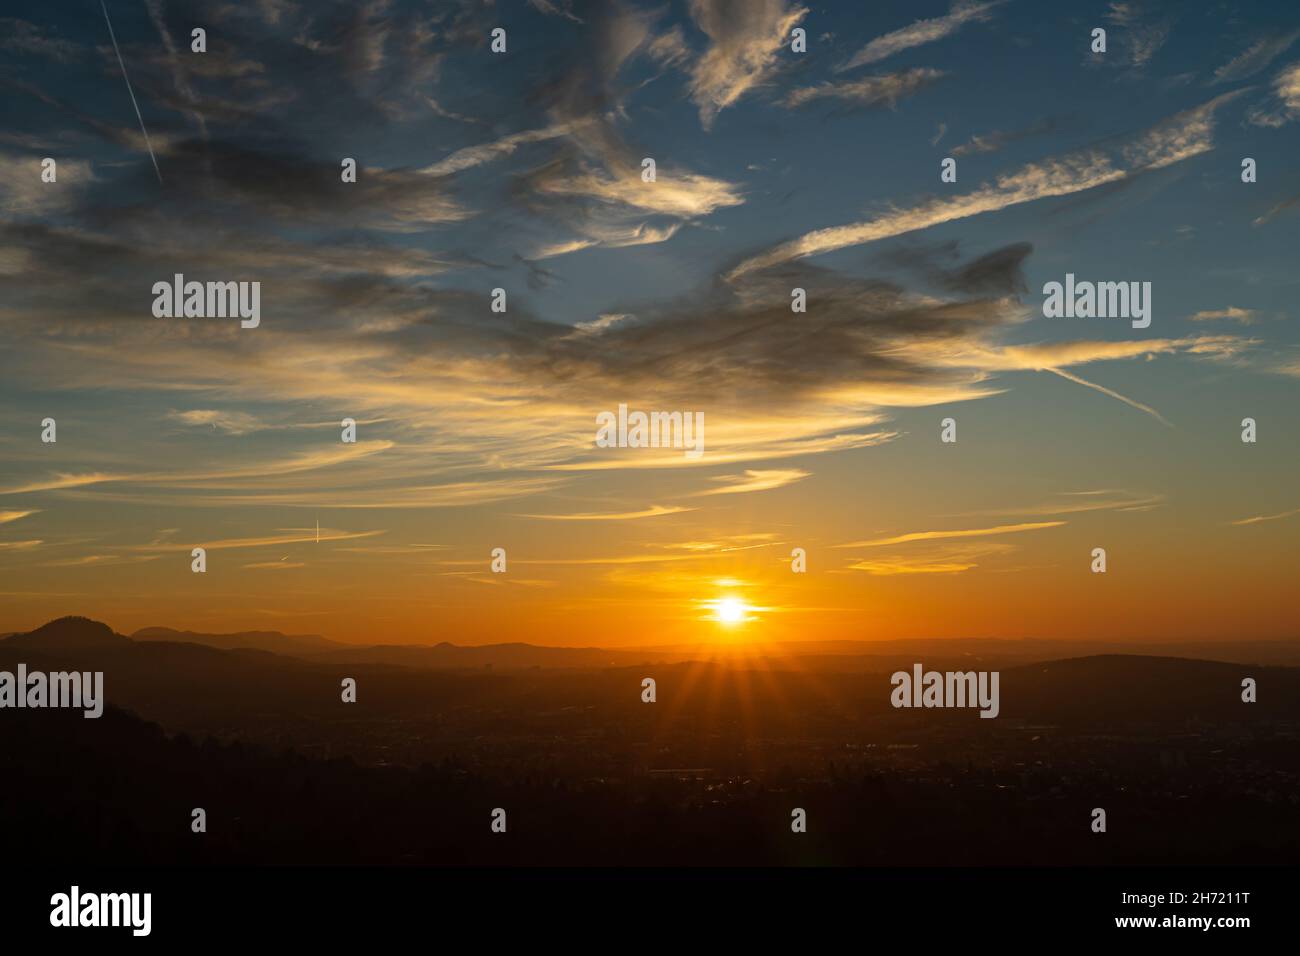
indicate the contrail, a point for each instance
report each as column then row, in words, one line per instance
column 132, row 92
column 1113, row 394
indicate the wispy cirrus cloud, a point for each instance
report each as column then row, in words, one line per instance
column 288, row 465
column 945, row 559
column 884, row 90
column 1255, row 57
column 27, row 545
column 1074, row 502
column 26, row 38
column 756, row 480
column 1275, row 209
column 289, row 536
column 920, row 33
column 995, row 140
column 654, row 511
column 469, row 157
column 1178, row 138
column 1141, row 36
column 958, row 533
column 1257, row 519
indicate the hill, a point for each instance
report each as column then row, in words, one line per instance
column 261, row 640
column 67, row 633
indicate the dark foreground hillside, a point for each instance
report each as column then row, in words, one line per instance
column 119, row 791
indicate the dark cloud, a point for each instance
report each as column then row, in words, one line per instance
column 997, row 273
column 998, row 139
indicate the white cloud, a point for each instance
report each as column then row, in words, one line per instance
column 1182, row 136
column 745, row 40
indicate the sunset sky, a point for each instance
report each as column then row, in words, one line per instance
column 775, row 170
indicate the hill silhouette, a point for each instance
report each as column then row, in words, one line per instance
column 590, row 774
column 259, row 640
column 68, row 632
column 249, row 694
column 833, row 656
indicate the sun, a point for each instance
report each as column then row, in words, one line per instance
column 729, row 610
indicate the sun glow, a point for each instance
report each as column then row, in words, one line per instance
column 730, row 610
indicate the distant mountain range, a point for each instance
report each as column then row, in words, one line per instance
column 260, row 640
column 165, row 673
column 806, row 655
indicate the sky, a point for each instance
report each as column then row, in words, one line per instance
column 775, row 169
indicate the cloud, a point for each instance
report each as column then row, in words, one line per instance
column 372, row 309
column 669, row 49
column 1291, row 368
column 920, row 33
column 1141, row 38
column 1055, row 356
column 745, row 37
column 98, row 560
column 654, row 511
column 7, row 516
column 24, row 37
column 963, row 533
column 1244, row 316
column 1276, row 208
column 291, row 536
column 884, row 90
column 1254, row 58
column 618, row 237
column 555, row 8
column 1259, row 518
column 761, row 480
column 20, row 545
column 1178, row 138
column 606, row 321
column 289, row 465
column 230, row 422
column 57, row 483
column 948, row 559
column 23, row 194
column 1286, row 89
column 591, row 188
column 996, row 273
column 998, row 139
column 596, row 191
column 1075, row 502
column 674, row 192
column 471, row 156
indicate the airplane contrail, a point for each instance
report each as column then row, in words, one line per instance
column 1113, row 394
column 131, row 91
